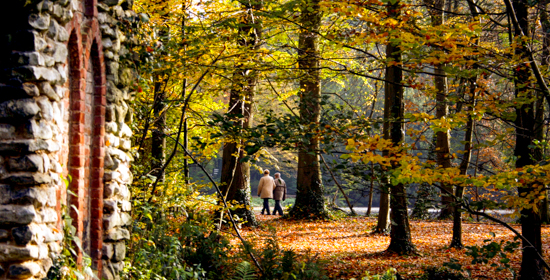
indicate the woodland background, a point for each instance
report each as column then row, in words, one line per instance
column 406, row 105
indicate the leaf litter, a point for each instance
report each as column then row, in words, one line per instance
column 349, row 247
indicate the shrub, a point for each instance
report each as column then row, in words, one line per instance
column 193, row 249
column 391, row 274
column 438, row 273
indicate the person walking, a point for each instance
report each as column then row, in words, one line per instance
column 279, row 193
column 265, row 190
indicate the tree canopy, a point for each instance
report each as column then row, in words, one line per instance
column 436, row 105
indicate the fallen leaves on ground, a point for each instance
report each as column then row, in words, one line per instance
column 350, row 248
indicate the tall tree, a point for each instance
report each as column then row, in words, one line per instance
column 400, row 234
column 525, row 124
column 456, row 241
column 158, row 139
column 235, row 175
column 184, row 90
column 545, row 57
column 383, row 222
column 309, row 197
column 442, row 146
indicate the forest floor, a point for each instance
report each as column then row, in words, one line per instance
column 349, row 247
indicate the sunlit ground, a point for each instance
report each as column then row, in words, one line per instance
column 350, row 249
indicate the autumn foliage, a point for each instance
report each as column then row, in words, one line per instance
column 410, row 101
column 350, row 248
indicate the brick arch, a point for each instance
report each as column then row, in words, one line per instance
column 86, row 104
column 74, row 153
column 90, row 8
column 96, row 71
column 73, row 64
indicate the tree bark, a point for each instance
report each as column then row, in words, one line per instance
column 539, row 129
column 456, row 241
column 371, row 190
column 531, row 267
column 400, row 234
column 442, row 148
column 184, row 91
column 309, row 186
column 186, row 146
column 235, row 174
column 383, row 223
column 158, row 139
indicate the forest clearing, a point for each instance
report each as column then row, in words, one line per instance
column 350, row 248
column 137, row 138
column 394, row 104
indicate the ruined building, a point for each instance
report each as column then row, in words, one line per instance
column 64, row 125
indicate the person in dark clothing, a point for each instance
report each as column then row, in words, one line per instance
column 279, row 193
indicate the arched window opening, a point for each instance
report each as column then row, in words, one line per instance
column 85, row 153
column 95, row 133
column 75, row 156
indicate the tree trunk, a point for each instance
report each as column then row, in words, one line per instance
column 400, row 234
column 186, row 147
column 235, row 175
column 531, row 267
column 456, row 241
column 158, row 134
column 371, row 190
column 309, row 195
column 184, row 91
column 383, row 223
column 442, row 148
column 158, row 139
column 539, row 129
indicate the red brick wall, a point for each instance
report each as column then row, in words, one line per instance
column 86, row 109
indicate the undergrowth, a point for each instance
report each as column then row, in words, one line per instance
column 191, row 247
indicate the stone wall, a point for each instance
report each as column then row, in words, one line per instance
column 64, row 114
column 117, row 117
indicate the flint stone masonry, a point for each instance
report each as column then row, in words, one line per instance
column 24, row 270
column 64, row 112
column 22, row 235
column 18, row 253
column 39, row 197
column 21, row 108
column 28, row 179
column 32, row 163
column 8, row 92
column 21, row 147
column 17, row 214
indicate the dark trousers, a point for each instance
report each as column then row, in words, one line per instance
column 266, row 206
column 278, row 208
